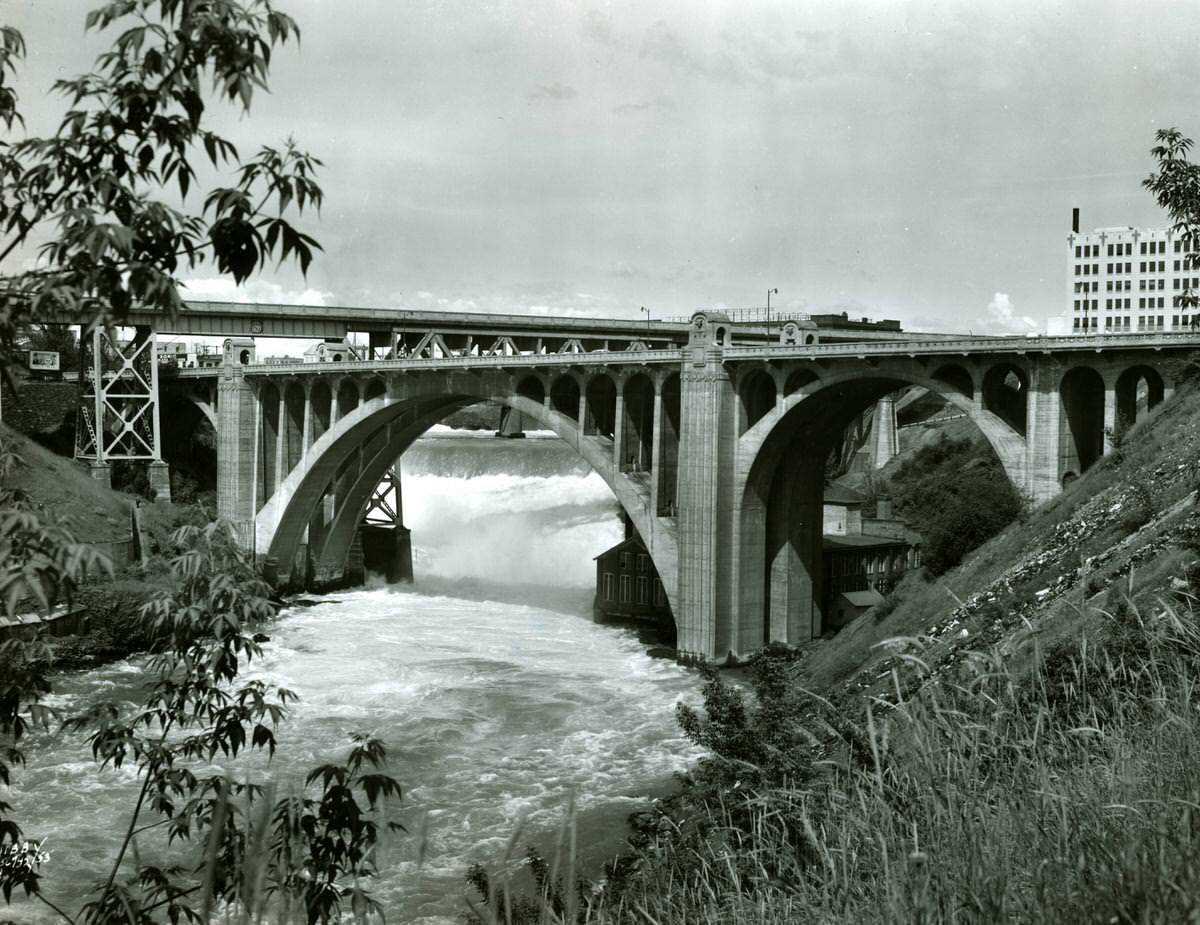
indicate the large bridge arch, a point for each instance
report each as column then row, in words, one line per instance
column 780, row 481
column 372, row 435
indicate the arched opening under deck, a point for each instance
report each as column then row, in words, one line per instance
column 781, row 569
column 359, row 450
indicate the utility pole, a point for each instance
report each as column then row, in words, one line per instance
column 769, row 293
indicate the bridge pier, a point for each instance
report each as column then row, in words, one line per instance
column 237, row 426
column 884, row 441
column 706, row 449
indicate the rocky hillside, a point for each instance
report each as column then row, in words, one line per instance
column 1117, row 532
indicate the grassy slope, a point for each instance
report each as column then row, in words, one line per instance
column 63, row 486
column 1027, row 753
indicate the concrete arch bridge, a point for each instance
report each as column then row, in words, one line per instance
column 714, row 450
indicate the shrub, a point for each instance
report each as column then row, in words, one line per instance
column 1137, row 510
column 957, row 496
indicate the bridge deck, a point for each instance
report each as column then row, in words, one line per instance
column 962, row 347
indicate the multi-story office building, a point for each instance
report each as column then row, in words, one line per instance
column 1122, row 280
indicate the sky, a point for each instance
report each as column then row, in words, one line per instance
column 907, row 160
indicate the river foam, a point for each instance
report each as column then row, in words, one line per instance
column 495, row 695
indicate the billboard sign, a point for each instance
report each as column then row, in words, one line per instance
column 43, row 361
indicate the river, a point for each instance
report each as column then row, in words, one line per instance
column 493, row 691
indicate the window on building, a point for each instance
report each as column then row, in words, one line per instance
column 1078, row 251
column 1128, row 267
column 1177, row 247
column 1142, row 267
column 1143, row 247
column 1076, row 325
column 608, row 585
column 643, row 562
column 643, row 590
column 1162, row 266
column 626, row 589
column 1095, row 269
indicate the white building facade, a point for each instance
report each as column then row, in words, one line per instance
column 1124, row 280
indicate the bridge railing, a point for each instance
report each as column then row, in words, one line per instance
column 969, row 345
column 671, row 356
column 674, row 356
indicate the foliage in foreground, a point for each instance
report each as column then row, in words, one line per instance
column 197, row 836
column 103, row 202
column 1067, row 795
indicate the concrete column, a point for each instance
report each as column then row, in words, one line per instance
column 655, row 448
column 1043, row 423
column 159, row 474
column 101, row 472
column 306, row 437
column 582, row 408
column 236, row 424
column 281, row 437
column 1110, row 414
column 618, row 427
column 884, row 435
column 706, row 448
column 335, row 410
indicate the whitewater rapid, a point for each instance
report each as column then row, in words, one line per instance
column 494, row 692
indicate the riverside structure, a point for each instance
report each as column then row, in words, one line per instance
column 713, row 436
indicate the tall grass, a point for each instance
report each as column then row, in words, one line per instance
column 1069, row 794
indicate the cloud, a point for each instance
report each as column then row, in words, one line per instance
column 658, row 105
column 598, row 27
column 255, row 291
column 624, row 269
column 556, row 92
column 1003, row 318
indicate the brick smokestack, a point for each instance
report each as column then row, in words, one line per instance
column 1075, row 220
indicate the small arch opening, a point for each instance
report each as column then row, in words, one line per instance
column 531, row 387
column 1005, row 393
column 638, row 424
column 798, row 379
column 347, row 397
column 376, row 388
column 564, row 396
column 957, row 378
column 1139, row 389
column 1081, row 431
column 757, row 393
column 601, row 406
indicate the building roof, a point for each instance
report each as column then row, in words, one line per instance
column 841, row 494
column 868, row 598
column 860, row 541
column 630, row 544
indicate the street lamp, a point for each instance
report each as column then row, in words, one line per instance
column 769, row 293
column 647, row 311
